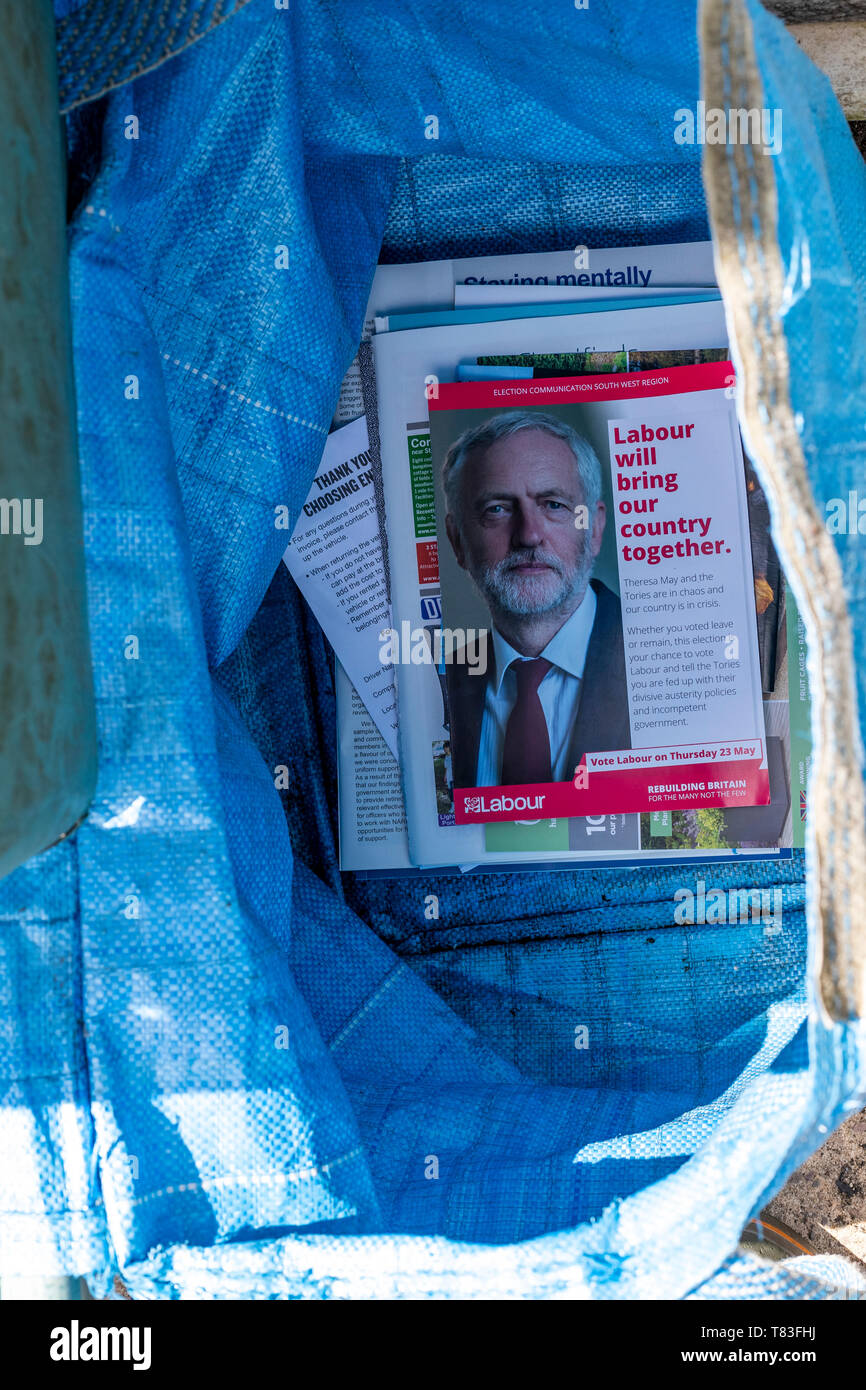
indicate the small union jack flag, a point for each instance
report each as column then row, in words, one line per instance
column 802, row 805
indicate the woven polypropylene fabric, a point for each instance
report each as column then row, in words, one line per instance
column 249, row 1063
column 455, row 206
column 101, row 45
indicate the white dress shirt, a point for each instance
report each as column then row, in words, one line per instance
column 559, row 694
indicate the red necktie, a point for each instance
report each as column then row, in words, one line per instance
column 526, row 755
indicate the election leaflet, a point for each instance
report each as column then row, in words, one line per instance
column 593, row 532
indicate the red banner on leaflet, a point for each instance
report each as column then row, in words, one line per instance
column 507, row 395
column 629, row 780
column 428, row 562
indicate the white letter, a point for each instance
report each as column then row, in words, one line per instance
column 685, row 131
column 836, row 524
column 32, row 528
column 88, row 1344
column 476, row 651
column 717, row 906
column 389, row 650
column 59, row 1344
column 141, row 1348
column 774, row 919
column 716, row 127
column 776, row 146
column 684, row 916
column 420, row 654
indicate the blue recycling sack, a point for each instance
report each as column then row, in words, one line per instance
column 226, row 1068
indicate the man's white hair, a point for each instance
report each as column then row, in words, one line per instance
column 512, row 422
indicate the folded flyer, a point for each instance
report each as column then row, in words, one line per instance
column 335, row 557
column 598, row 609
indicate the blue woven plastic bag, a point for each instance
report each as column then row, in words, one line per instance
column 154, row 966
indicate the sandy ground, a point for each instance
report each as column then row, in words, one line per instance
column 825, row 1200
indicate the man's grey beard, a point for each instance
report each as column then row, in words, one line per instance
column 522, row 598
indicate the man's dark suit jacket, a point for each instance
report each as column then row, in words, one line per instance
column 602, row 717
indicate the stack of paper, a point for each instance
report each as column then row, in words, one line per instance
column 547, row 573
